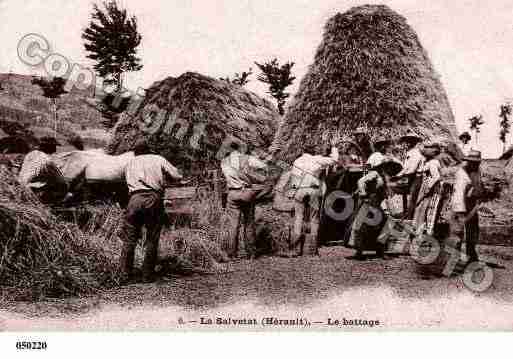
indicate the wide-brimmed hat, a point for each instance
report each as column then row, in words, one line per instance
column 375, row 160
column 431, row 149
column 473, row 156
column 411, row 137
column 381, row 141
column 48, row 141
column 360, row 130
column 465, row 135
column 391, row 166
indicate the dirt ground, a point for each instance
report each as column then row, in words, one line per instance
column 318, row 288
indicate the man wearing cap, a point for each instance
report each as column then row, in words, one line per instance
column 245, row 179
column 370, row 217
column 411, row 172
column 147, row 176
column 465, row 201
column 40, row 173
column 464, row 144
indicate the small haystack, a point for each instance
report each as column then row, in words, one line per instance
column 187, row 119
column 41, row 256
column 370, row 70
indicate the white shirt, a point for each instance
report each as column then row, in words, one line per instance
column 241, row 171
column 150, row 172
column 307, row 169
column 413, row 163
column 461, row 185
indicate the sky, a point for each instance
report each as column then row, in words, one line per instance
column 470, row 42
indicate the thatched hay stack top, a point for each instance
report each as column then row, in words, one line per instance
column 193, row 115
column 370, row 70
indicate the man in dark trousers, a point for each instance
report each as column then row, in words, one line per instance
column 147, row 176
column 246, row 177
column 411, row 172
column 465, row 201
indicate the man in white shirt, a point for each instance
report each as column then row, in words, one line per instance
column 464, row 144
column 147, row 176
column 411, row 172
column 465, row 201
column 306, row 179
column 245, row 180
column 40, row 174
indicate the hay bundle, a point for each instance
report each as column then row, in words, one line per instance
column 188, row 118
column 42, row 257
column 370, row 70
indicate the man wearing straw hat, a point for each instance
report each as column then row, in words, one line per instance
column 40, row 174
column 465, row 202
column 147, row 176
column 412, row 172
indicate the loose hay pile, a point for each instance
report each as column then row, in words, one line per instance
column 370, row 70
column 41, row 256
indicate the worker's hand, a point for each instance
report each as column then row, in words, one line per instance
column 184, row 182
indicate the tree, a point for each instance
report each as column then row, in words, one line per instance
column 112, row 40
column 475, row 125
column 278, row 77
column 504, row 124
column 52, row 88
column 239, row 79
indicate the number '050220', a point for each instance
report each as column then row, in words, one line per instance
column 31, row 345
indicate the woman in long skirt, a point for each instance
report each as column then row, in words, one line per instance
column 430, row 186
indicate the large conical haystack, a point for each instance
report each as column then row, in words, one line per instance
column 180, row 111
column 370, row 69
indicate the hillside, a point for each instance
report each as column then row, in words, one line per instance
column 23, row 104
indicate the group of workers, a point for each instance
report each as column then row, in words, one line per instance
column 419, row 175
column 247, row 179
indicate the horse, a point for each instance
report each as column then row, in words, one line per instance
column 99, row 174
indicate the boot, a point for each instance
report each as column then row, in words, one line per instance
column 310, row 247
column 151, row 254
column 126, row 262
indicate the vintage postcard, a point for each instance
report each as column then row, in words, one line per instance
column 255, row 166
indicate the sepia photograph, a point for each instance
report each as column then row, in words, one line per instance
column 255, row 166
